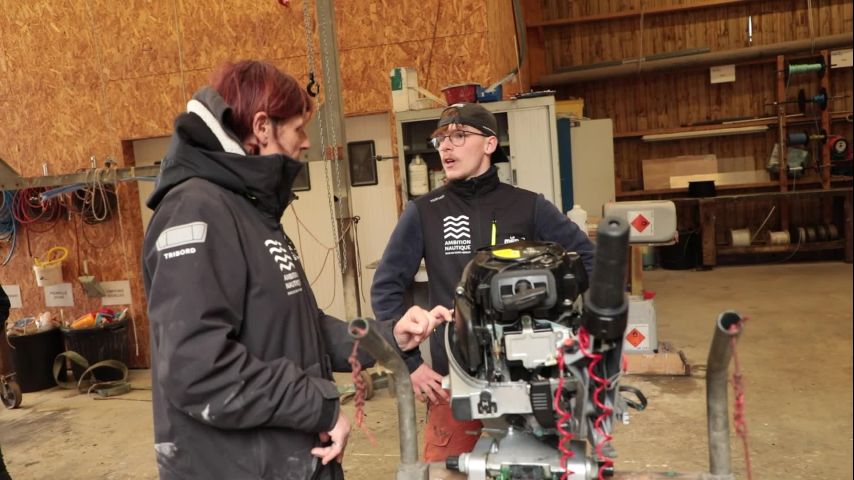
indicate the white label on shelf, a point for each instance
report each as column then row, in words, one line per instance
column 722, row 74
column 841, row 58
column 14, row 294
column 118, row 293
column 58, row 295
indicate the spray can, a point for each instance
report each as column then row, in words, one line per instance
column 579, row 217
column 419, row 184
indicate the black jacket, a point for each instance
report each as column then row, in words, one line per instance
column 445, row 227
column 5, row 306
column 241, row 354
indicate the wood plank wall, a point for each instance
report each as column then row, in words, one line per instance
column 82, row 79
column 673, row 99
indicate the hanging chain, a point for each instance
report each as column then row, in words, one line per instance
column 312, row 87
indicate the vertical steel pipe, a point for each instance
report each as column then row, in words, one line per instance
column 727, row 327
column 373, row 343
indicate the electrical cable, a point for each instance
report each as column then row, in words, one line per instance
column 328, row 251
column 773, row 207
column 8, row 225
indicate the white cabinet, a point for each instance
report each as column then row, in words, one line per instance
column 527, row 133
column 593, row 182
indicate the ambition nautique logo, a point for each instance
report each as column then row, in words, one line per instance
column 285, row 260
column 457, row 235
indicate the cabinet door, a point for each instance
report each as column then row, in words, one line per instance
column 593, row 164
column 532, row 150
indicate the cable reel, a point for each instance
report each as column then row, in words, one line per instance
column 818, row 66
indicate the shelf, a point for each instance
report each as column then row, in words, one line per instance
column 635, row 13
column 420, row 151
column 769, row 121
column 770, row 186
column 804, row 247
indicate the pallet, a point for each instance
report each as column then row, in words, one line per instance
column 667, row 361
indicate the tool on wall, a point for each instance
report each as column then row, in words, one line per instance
column 49, row 271
column 820, row 100
column 90, row 285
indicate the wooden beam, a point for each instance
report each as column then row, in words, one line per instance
column 737, row 56
column 804, row 247
column 87, row 176
column 633, row 13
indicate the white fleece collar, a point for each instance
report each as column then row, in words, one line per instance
column 228, row 144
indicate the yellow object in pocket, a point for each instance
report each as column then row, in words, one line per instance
column 86, row 321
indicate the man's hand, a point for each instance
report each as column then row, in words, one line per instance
column 338, row 435
column 427, row 384
column 417, row 324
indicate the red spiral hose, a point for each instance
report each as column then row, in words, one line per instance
column 565, row 436
column 359, row 399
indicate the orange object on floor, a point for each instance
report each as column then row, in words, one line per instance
column 445, row 436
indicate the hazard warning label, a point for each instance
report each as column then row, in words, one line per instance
column 642, row 223
column 636, row 337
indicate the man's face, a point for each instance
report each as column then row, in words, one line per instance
column 465, row 153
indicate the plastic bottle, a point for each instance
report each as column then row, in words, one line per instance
column 419, row 182
column 579, row 217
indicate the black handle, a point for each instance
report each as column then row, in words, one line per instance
column 605, row 303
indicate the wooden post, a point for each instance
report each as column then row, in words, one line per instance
column 825, row 125
column 708, row 217
column 849, row 235
column 781, row 141
column 637, row 269
column 824, row 169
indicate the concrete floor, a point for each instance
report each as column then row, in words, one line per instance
column 796, row 354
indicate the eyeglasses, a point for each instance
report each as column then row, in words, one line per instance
column 458, row 138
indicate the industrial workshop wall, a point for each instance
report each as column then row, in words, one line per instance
column 84, row 79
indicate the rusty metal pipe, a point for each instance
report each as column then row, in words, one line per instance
column 373, row 343
column 727, row 327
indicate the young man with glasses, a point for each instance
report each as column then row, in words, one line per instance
column 446, row 227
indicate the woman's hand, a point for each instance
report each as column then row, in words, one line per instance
column 338, row 436
column 417, row 324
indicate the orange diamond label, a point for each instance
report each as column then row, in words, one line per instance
column 635, row 337
column 640, row 223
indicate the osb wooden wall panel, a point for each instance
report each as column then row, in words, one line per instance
column 77, row 79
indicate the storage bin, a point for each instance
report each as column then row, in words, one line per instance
column 32, row 358
column 109, row 342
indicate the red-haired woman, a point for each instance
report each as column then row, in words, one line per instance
column 241, row 354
